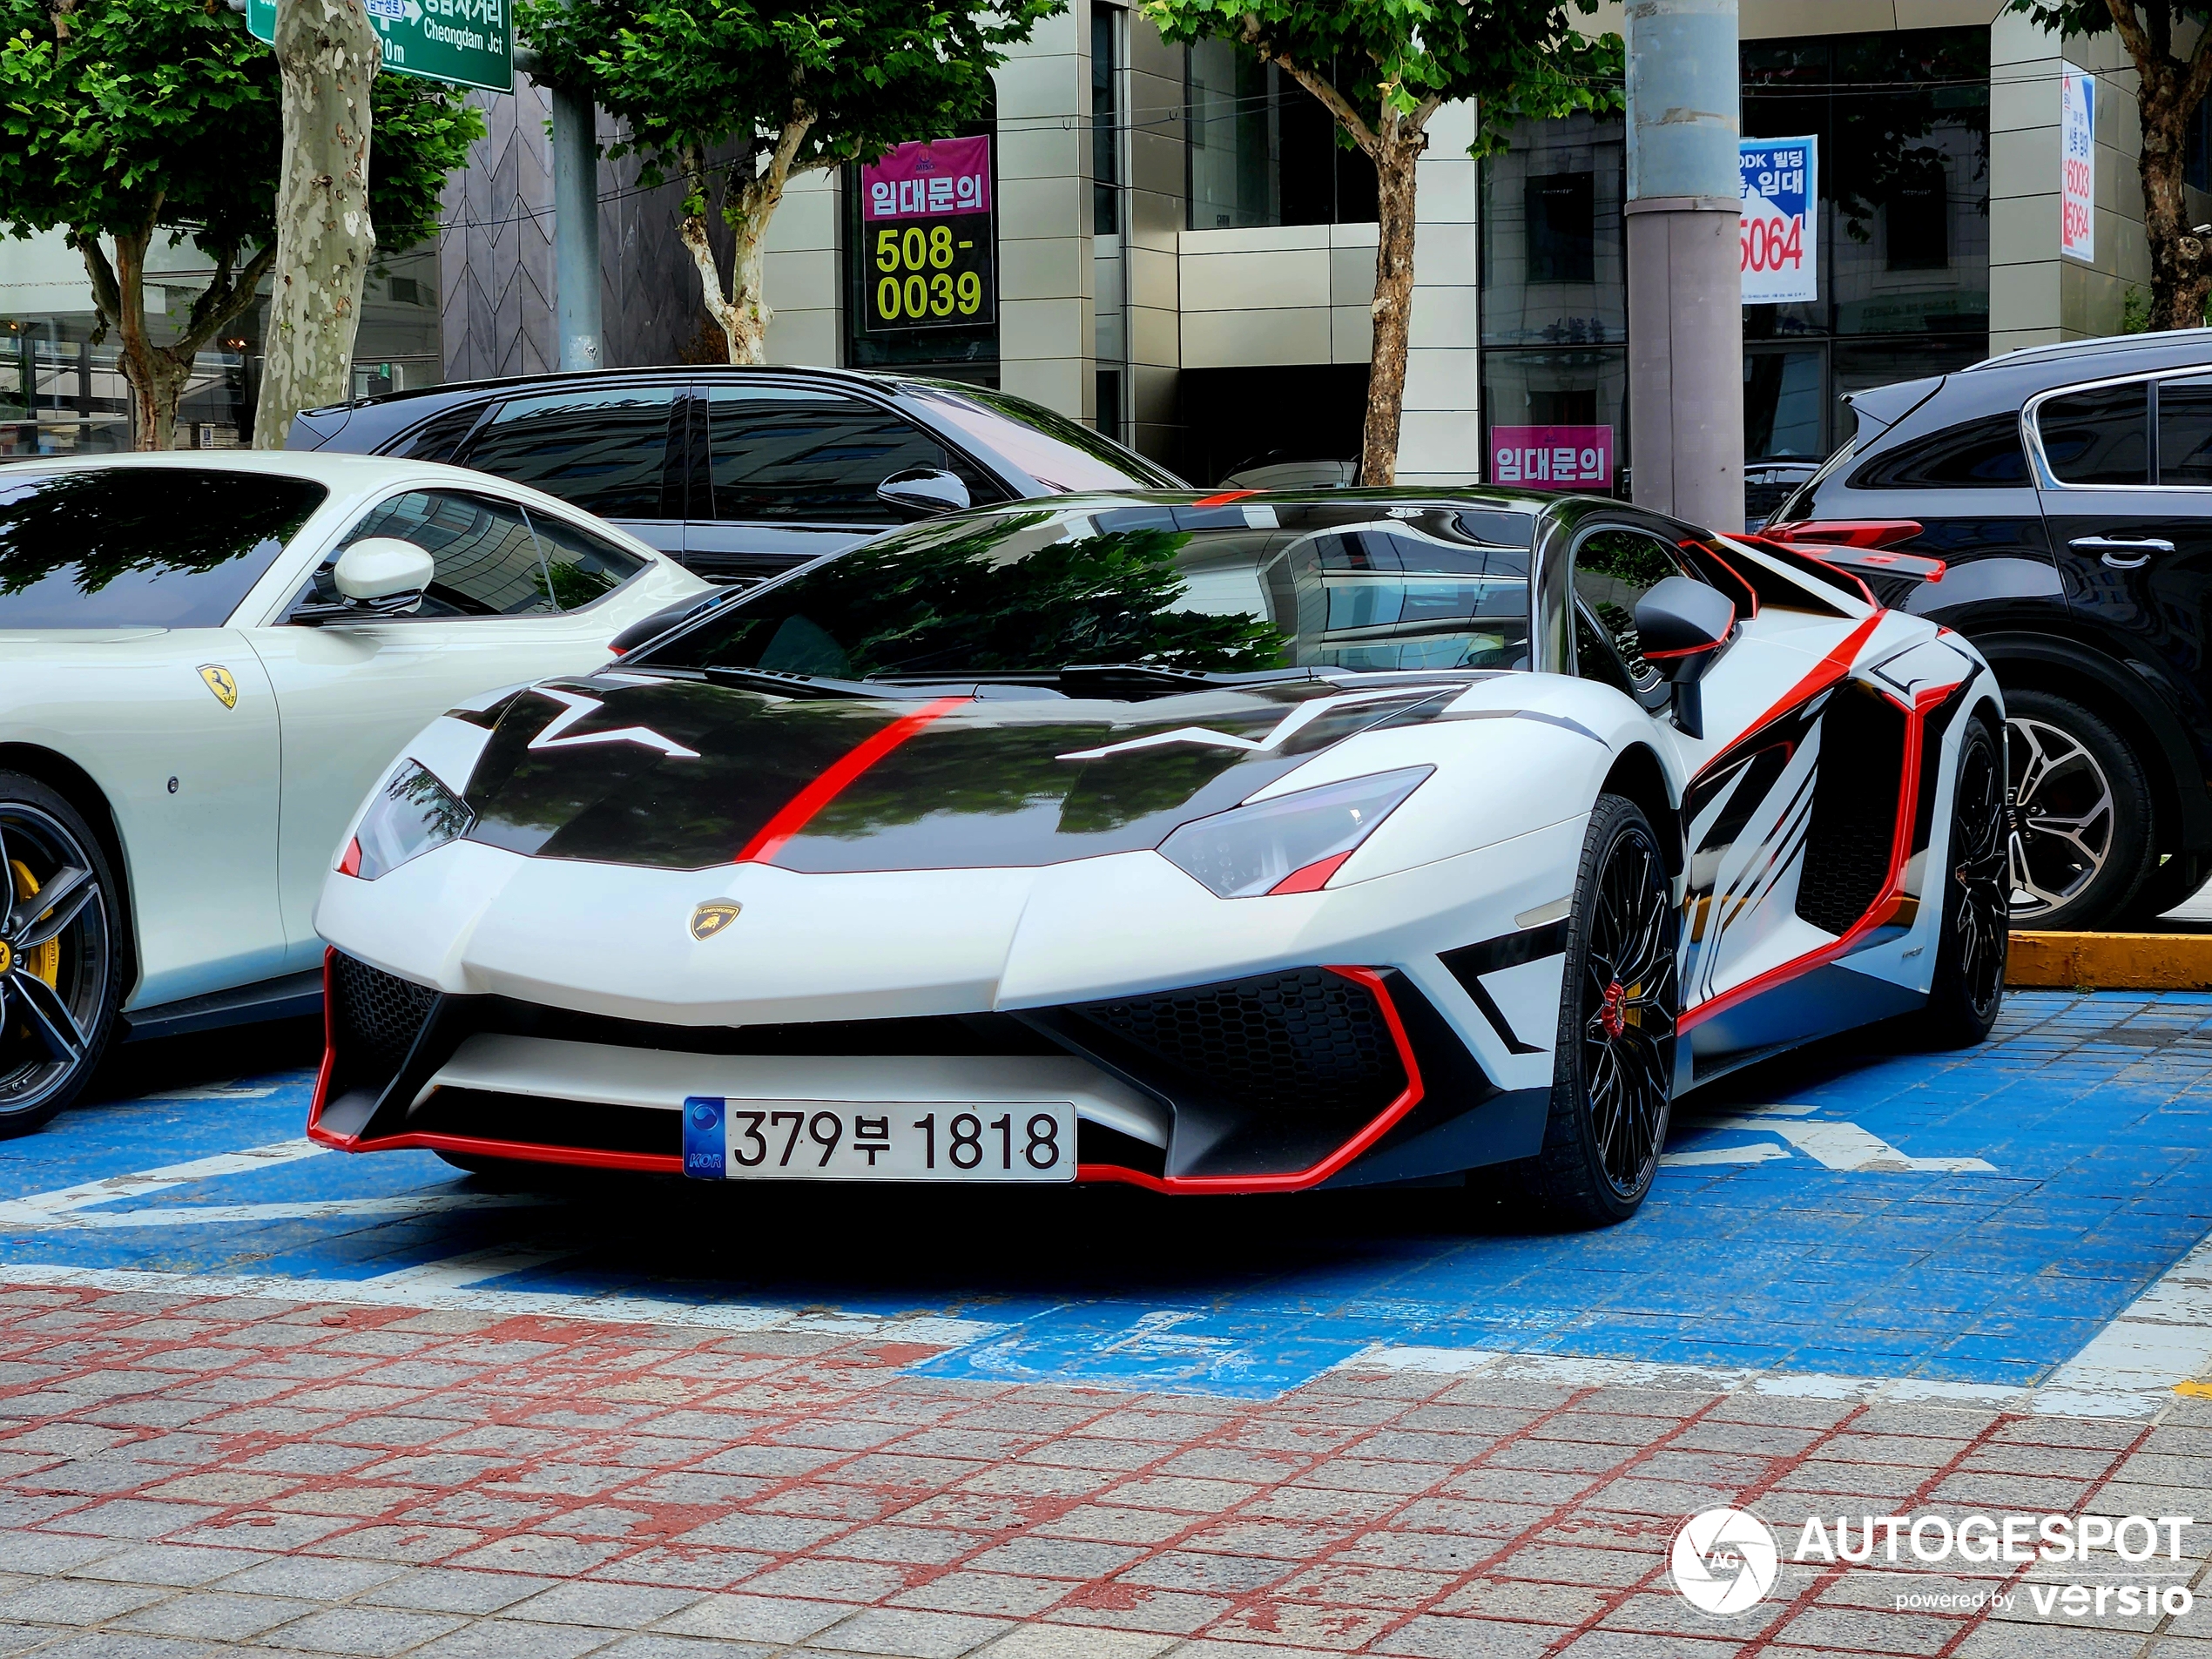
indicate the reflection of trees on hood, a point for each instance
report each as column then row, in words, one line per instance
column 148, row 521
column 963, row 606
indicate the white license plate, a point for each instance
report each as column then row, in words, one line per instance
column 755, row 1140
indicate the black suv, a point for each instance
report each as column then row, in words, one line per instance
column 2067, row 491
column 742, row 473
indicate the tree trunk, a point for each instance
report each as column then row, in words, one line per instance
column 739, row 306
column 2180, row 276
column 327, row 56
column 1396, row 156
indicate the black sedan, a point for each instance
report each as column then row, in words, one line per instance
column 2066, row 491
column 743, row 473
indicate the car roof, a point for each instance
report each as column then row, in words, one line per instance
column 446, row 390
column 2186, row 346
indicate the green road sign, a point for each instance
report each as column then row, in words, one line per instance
column 463, row 42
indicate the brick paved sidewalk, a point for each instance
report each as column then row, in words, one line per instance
column 182, row 1476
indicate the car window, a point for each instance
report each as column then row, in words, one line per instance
column 2185, row 432
column 1058, row 453
column 1612, row 569
column 2099, row 436
column 605, row 451
column 1595, row 656
column 140, row 546
column 795, row 454
column 1034, row 590
column 581, row 566
column 1984, row 454
column 486, row 557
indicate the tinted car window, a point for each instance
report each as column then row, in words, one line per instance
column 1057, row 452
column 486, row 557
column 1614, row 568
column 438, row 437
column 582, row 567
column 787, row 452
column 1039, row 590
column 2185, row 432
column 1975, row 455
column 140, row 546
column 2101, row 436
column 606, row 451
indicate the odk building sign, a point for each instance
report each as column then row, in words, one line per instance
column 926, row 241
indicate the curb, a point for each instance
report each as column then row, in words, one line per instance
column 2110, row 961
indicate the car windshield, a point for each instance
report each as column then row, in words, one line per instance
column 1055, row 451
column 1350, row 586
column 140, row 546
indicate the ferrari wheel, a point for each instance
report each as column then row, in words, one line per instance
column 1969, row 984
column 1612, row 1077
column 59, row 973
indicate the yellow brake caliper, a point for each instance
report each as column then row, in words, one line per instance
column 46, row 961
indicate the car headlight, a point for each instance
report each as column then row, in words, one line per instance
column 1291, row 844
column 411, row 814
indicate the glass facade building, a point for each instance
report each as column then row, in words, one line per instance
column 1900, row 120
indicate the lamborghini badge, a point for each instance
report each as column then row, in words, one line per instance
column 220, row 682
column 713, row 916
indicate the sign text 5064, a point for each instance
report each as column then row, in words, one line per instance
column 929, row 273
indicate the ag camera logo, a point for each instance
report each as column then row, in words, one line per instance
column 1724, row 1560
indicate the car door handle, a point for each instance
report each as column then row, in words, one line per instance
column 2121, row 552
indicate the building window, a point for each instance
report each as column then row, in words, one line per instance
column 1263, row 151
column 1105, row 121
column 1561, row 215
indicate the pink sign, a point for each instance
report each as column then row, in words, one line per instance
column 933, row 176
column 1552, row 457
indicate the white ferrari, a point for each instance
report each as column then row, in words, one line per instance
column 204, row 659
column 1236, row 844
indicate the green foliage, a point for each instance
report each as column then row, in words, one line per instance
column 1518, row 59
column 962, row 605
column 166, row 113
column 2095, row 16
column 100, row 527
column 2134, row 312
column 723, row 76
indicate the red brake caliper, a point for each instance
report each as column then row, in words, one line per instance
column 1609, row 1014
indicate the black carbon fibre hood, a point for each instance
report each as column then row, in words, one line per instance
column 684, row 775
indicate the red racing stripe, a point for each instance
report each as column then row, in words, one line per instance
column 1224, row 498
column 800, row 809
column 1826, row 673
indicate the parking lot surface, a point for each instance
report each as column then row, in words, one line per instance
column 256, row 1394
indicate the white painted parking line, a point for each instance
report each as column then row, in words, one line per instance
column 926, row 1329
column 1834, row 1145
column 1757, row 1152
column 2163, row 1337
column 494, row 1262
column 207, row 1215
column 40, row 1208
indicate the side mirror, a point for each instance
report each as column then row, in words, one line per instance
column 1681, row 626
column 382, row 567
column 923, row 492
column 377, row 576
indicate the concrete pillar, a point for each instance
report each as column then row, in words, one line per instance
column 1047, row 283
column 1685, row 292
column 1440, row 437
column 575, row 229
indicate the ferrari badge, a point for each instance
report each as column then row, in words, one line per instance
column 220, row 682
column 713, row 916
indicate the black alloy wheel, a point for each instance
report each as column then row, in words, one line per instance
column 1613, row 1075
column 59, row 969
column 1968, row 988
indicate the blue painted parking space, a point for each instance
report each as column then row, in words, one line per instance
column 1972, row 1217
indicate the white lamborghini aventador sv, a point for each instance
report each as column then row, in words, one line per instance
column 1235, row 844
column 204, row 659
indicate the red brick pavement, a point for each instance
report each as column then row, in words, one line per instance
column 181, row 1475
